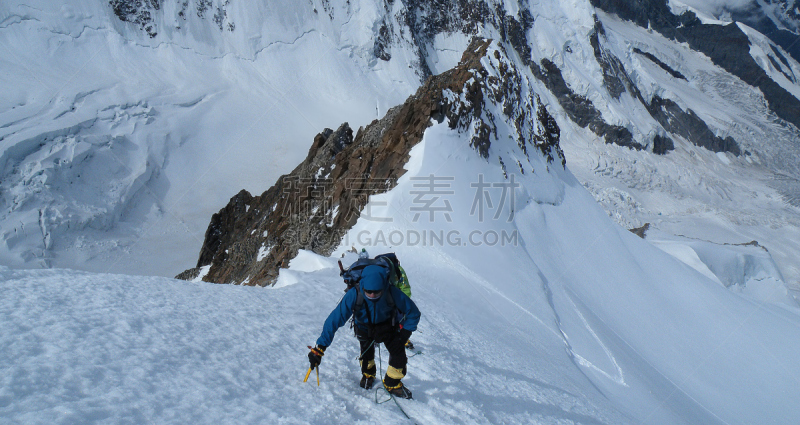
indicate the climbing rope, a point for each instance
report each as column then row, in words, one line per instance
column 391, row 397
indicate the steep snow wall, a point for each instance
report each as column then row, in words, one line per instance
column 665, row 343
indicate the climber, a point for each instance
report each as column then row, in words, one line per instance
column 382, row 313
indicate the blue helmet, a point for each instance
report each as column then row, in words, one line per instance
column 374, row 279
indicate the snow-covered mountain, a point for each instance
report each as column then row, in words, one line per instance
column 485, row 99
column 126, row 125
column 115, row 142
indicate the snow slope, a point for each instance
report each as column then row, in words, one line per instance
column 85, row 348
column 667, row 344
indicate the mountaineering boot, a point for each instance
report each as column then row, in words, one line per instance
column 366, row 381
column 391, row 381
column 398, row 390
column 409, row 345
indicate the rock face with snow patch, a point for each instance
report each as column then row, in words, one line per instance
column 728, row 46
column 137, row 12
column 146, row 13
column 419, row 22
column 312, row 208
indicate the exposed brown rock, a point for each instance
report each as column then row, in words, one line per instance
column 641, row 231
column 315, row 205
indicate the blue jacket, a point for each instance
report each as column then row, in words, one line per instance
column 372, row 278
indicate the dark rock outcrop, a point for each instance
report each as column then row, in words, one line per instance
column 689, row 126
column 660, row 63
column 611, row 65
column 381, row 47
column 322, row 198
column 641, row 231
column 662, row 144
column 139, row 12
column 143, row 13
column 580, row 109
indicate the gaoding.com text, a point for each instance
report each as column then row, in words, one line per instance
column 396, row 238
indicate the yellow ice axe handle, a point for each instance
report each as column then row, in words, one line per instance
column 309, row 373
column 317, row 376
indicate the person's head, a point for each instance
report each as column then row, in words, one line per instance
column 373, row 282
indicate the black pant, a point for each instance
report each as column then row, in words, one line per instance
column 397, row 356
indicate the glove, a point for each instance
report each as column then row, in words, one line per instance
column 315, row 355
column 399, row 340
column 404, row 335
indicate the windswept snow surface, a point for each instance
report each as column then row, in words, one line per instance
column 92, row 348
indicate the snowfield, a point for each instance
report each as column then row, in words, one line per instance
column 85, row 348
column 92, row 348
column 112, row 143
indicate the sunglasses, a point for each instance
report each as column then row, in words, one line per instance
column 372, row 293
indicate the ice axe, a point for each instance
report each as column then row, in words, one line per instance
column 309, row 373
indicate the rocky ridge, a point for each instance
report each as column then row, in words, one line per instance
column 314, row 206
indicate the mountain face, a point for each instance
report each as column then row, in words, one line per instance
column 640, row 95
column 415, row 25
column 728, row 46
column 666, row 114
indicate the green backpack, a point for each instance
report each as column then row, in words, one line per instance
column 397, row 276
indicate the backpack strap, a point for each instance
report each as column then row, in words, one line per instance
column 359, row 298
